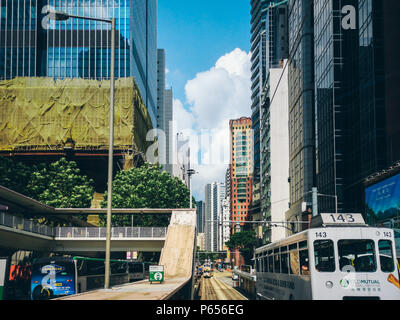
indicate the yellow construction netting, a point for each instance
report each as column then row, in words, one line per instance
column 42, row 114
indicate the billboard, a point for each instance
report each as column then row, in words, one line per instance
column 383, row 200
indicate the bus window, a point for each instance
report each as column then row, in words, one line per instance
column 285, row 263
column 271, row 262
column 82, row 267
column 324, row 256
column 304, row 262
column 277, row 263
column 265, row 264
column 294, row 262
column 386, row 255
column 357, row 255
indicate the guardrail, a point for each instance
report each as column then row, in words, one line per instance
column 19, row 223
column 116, row 233
column 22, row 224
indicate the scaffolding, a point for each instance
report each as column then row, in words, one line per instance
column 42, row 115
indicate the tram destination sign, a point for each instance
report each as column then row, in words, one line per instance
column 156, row 274
column 335, row 219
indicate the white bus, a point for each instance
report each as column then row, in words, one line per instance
column 343, row 259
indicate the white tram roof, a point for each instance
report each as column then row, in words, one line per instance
column 324, row 220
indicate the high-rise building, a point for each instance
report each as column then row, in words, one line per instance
column 301, row 107
column 214, row 195
column 31, row 45
column 272, row 127
column 200, row 216
column 164, row 115
column 342, row 100
column 168, row 129
column 263, row 54
column 379, row 71
column 275, row 152
column 225, row 225
column 160, row 91
column 241, row 171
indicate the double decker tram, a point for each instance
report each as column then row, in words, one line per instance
column 339, row 258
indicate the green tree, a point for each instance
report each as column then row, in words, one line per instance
column 244, row 242
column 146, row 187
column 61, row 185
column 15, row 175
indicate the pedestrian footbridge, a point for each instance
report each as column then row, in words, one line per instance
column 21, row 234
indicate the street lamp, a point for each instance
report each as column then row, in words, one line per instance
column 63, row 16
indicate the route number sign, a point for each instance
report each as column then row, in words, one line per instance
column 342, row 218
column 156, row 274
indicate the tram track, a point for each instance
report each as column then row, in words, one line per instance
column 214, row 289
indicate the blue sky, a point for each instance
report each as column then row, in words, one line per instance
column 207, row 47
column 195, row 34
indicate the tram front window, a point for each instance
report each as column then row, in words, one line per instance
column 357, row 256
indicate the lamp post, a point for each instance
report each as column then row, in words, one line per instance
column 63, row 16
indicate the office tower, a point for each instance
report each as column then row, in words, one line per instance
column 275, row 153
column 258, row 77
column 214, row 195
column 226, row 226
column 273, row 127
column 262, row 55
column 31, row 45
column 336, row 106
column 200, row 216
column 208, row 225
column 164, row 114
column 219, row 196
column 168, row 129
column 160, row 90
column 301, row 107
column 241, row 171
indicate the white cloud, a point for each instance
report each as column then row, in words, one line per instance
column 213, row 98
column 221, row 93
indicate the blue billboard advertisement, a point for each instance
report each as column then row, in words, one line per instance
column 383, row 200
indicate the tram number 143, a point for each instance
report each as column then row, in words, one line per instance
column 342, row 218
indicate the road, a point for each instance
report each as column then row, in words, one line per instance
column 219, row 287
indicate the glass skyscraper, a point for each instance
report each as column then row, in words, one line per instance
column 301, row 106
column 31, row 45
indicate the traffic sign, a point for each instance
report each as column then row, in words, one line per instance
column 156, row 274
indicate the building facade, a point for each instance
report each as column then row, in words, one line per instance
column 32, row 45
column 274, row 90
column 302, row 173
column 268, row 45
column 201, row 208
column 342, row 101
column 275, row 161
column 241, row 171
column 168, row 116
column 214, row 196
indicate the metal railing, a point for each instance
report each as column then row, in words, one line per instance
column 22, row 224
column 116, row 233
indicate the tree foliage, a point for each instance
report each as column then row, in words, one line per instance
column 244, row 242
column 15, row 175
column 146, row 187
column 59, row 184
